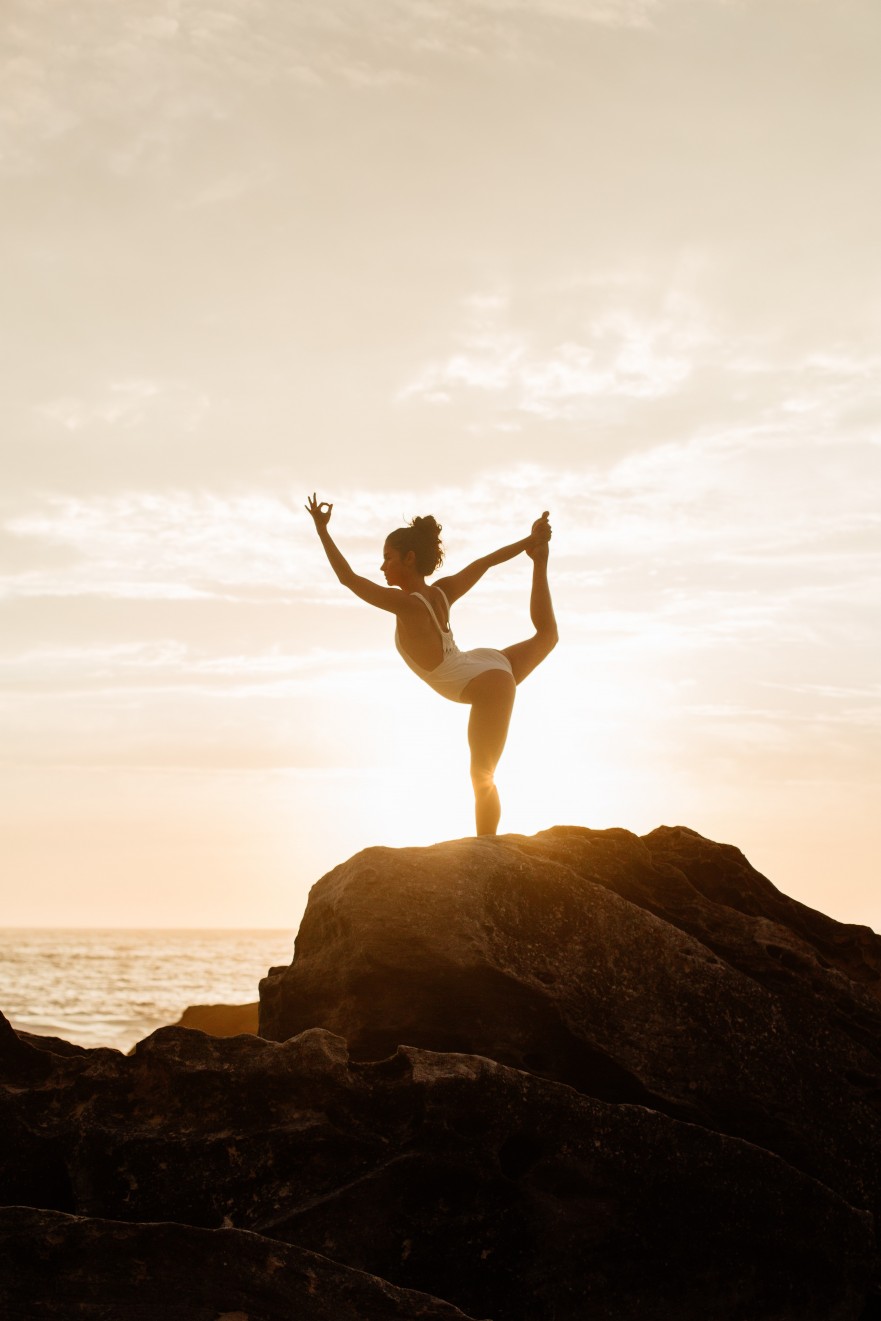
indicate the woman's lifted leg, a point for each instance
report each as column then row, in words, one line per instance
column 524, row 656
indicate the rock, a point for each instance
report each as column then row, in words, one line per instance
column 575, row 1075
column 56, row 1045
column 710, row 891
column 221, row 1020
column 510, row 1195
column 61, row 1266
column 663, row 971
column 20, row 1058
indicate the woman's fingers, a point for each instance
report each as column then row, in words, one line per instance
column 320, row 510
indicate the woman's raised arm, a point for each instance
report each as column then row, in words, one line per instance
column 384, row 598
column 459, row 583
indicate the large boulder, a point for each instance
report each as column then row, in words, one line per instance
column 509, row 1195
column 65, row 1267
column 662, row 971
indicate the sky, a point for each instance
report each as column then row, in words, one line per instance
column 616, row 259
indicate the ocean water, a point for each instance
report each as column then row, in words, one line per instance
column 113, row 988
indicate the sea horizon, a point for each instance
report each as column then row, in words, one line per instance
column 31, row 926
column 113, row 986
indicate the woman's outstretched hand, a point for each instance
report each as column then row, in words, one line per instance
column 537, row 544
column 320, row 511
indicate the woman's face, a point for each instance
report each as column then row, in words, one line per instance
column 391, row 565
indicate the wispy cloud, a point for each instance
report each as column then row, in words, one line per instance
column 618, row 351
column 172, row 666
column 625, row 344
column 177, row 545
column 169, row 66
column 724, row 504
column 127, row 404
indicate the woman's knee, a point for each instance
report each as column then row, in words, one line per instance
column 482, row 776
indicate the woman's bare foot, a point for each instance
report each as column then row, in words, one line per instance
column 541, row 535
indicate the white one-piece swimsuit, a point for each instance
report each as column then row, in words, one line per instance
column 457, row 668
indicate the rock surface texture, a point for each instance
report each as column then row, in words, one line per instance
column 60, row 1266
column 578, row 1075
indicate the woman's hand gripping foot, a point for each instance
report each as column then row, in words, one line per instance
column 537, row 547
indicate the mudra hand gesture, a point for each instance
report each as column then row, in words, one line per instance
column 320, row 511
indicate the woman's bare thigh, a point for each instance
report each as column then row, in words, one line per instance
column 525, row 656
column 491, row 695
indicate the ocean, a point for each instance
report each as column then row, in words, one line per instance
column 115, row 987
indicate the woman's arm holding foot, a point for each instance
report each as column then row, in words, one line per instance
column 458, row 584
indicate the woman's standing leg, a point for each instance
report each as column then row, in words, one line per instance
column 492, row 700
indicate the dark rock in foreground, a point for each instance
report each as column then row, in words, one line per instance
column 59, row 1266
column 511, row 1196
column 587, row 1076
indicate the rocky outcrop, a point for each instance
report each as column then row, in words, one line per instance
column 575, row 1075
column 661, row 971
column 506, row 1194
column 60, row 1266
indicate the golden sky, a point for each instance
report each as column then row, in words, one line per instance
column 478, row 258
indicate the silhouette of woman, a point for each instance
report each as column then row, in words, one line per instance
column 483, row 678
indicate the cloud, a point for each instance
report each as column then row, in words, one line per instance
column 128, row 404
column 21, row 554
column 146, row 545
column 168, row 65
column 618, row 351
column 171, row 665
column 640, row 361
column 728, row 501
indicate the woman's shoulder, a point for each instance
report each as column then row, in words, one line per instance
column 413, row 605
column 427, row 606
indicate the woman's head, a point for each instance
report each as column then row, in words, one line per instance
column 423, row 538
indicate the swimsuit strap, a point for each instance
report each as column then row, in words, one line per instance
column 445, row 633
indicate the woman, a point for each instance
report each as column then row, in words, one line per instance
column 484, row 678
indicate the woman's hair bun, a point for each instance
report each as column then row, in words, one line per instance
column 429, row 551
column 423, row 538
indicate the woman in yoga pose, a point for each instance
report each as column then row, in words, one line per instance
column 485, row 679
